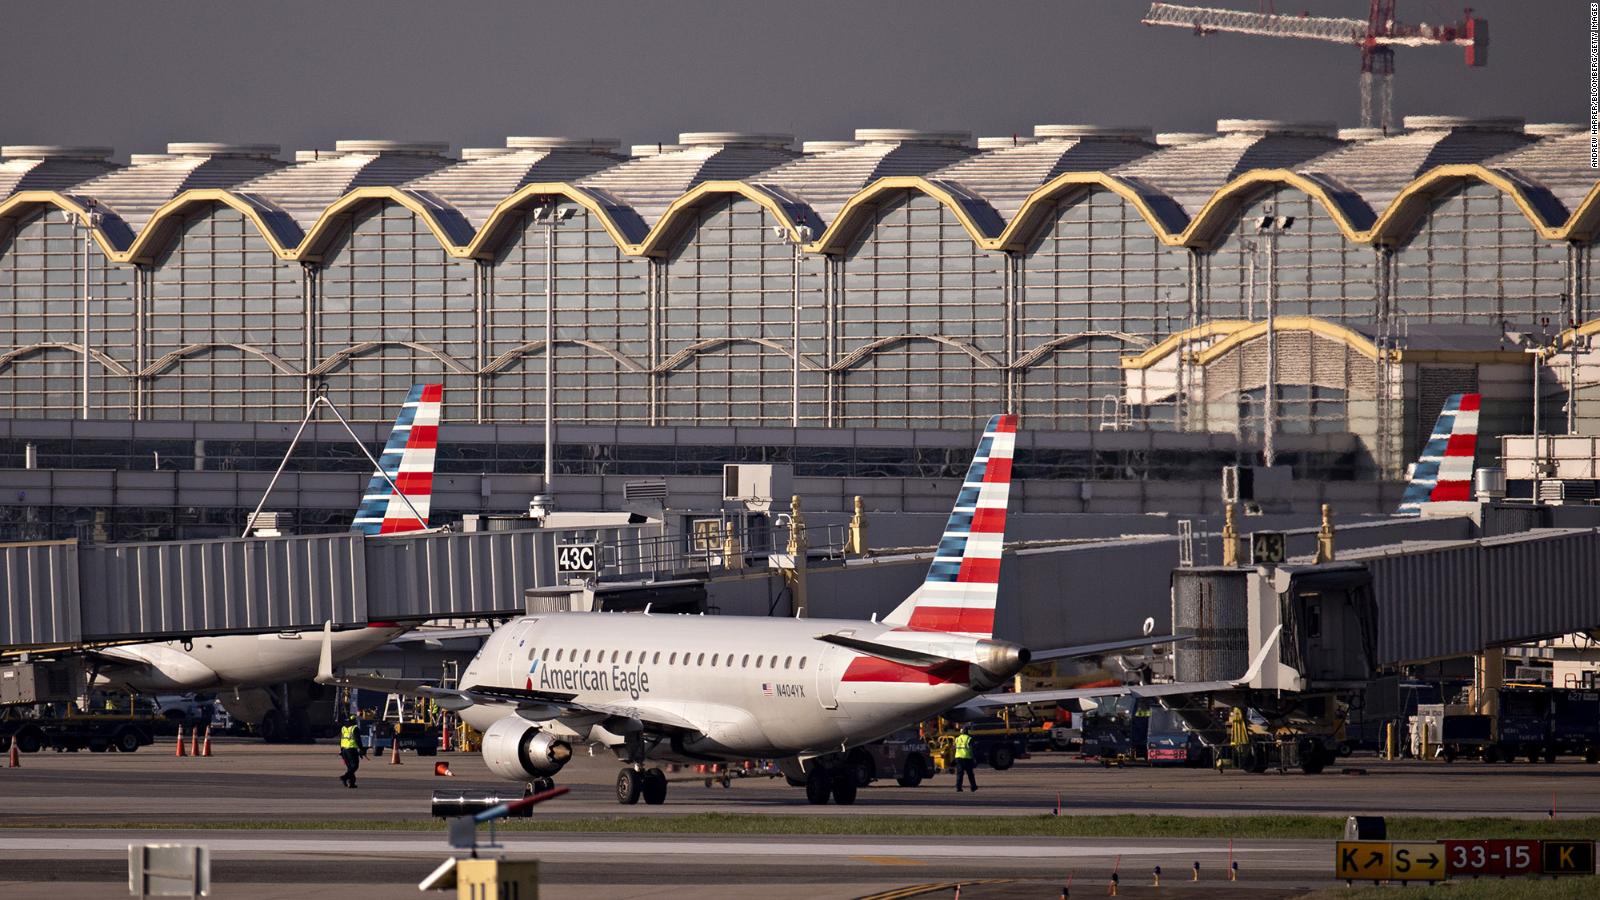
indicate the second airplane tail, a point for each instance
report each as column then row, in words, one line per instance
column 408, row 461
column 1444, row 470
column 958, row 595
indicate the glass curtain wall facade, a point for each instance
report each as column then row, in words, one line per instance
column 602, row 316
column 42, row 295
column 393, row 308
column 921, row 322
column 1317, row 272
column 1096, row 283
column 225, row 325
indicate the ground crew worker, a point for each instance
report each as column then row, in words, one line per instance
column 350, row 750
column 965, row 764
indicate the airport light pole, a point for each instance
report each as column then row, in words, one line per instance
column 1269, row 226
column 800, row 237
column 548, row 216
column 85, row 222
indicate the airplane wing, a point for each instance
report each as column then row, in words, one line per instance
column 531, row 703
column 1104, row 647
column 1180, row 688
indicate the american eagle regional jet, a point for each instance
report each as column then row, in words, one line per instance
column 249, row 660
column 803, row 692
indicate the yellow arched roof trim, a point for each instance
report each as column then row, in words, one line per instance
column 148, row 244
column 1172, row 342
column 330, row 223
column 844, row 227
column 1414, row 200
column 484, row 243
column 1581, row 226
column 657, row 241
column 1025, row 225
column 22, row 203
column 1218, row 212
column 1355, row 340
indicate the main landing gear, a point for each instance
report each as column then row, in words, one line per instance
column 540, row 785
column 634, row 783
column 821, row 784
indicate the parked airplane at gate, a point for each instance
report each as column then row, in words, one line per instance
column 247, row 661
column 800, row 691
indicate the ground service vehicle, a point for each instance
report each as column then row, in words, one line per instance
column 903, row 756
column 1543, row 723
column 32, row 730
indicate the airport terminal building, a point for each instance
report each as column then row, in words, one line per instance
column 854, row 308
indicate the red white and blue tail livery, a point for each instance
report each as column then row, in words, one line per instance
column 958, row 595
column 1444, row 470
column 408, row 461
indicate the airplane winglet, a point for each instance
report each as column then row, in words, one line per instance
column 1261, row 658
column 325, row 663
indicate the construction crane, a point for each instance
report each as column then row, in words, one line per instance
column 1377, row 37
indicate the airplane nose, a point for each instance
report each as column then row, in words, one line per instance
column 1003, row 658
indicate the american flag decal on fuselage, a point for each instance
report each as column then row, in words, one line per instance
column 408, row 461
column 958, row 595
column 1444, row 470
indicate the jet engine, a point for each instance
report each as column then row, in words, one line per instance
column 516, row 750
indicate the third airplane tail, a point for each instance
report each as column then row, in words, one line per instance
column 1444, row 470
column 408, row 461
column 959, row 592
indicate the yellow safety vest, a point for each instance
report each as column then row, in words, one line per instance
column 347, row 738
column 963, row 746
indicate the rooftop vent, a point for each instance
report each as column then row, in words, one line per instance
column 1512, row 124
column 1362, row 134
column 735, row 139
column 53, row 151
column 1092, row 133
column 583, row 145
column 1180, row 138
column 1554, row 129
column 246, row 151
column 1275, row 127
column 639, row 150
column 913, row 136
column 409, row 148
column 827, row 146
column 1005, row 142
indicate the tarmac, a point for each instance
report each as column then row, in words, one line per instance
column 146, row 793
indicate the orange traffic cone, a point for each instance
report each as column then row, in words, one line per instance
column 194, row 742
column 179, row 751
column 394, row 754
column 205, row 748
column 16, row 756
column 442, row 768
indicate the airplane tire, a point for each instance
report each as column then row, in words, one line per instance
column 28, row 742
column 861, row 765
column 630, row 784
column 272, row 727
column 818, row 788
column 844, row 788
column 654, row 787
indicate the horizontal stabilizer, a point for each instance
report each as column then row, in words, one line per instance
column 1173, row 689
column 1105, row 647
column 886, row 651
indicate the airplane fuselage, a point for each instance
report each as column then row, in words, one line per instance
column 227, row 661
column 741, row 687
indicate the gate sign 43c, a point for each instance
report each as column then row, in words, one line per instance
column 1500, row 858
column 575, row 558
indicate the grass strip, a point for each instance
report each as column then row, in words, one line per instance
column 1472, row 889
column 1130, row 826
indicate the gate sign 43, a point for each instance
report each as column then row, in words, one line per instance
column 576, row 558
column 1492, row 857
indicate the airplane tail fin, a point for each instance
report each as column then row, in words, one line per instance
column 408, row 461
column 959, row 592
column 1444, row 470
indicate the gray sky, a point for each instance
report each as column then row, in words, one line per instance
column 303, row 73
